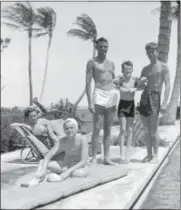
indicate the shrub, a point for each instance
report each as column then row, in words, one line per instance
column 12, row 140
column 178, row 113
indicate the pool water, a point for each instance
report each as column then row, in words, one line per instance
column 165, row 193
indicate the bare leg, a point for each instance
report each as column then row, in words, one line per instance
column 53, row 177
column 147, row 138
column 97, row 122
column 39, row 166
column 153, row 124
column 56, row 166
column 82, row 172
column 122, row 134
column 36, row 180
column 108, row 121
column 130, row 135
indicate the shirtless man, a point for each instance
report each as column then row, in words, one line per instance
column 103, row 103
column 157, row 73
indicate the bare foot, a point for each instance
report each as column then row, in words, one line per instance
column 53, row 177
column 146, row 159
column 125, row 161
column 109, row 162
column 121, row 158
column 32, row 183
column 154, row 160
column 93, row 161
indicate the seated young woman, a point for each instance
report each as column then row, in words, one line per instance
column 74, row 145
column 76, row 153
column 36, row 125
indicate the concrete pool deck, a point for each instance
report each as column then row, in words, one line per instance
column 119, row 194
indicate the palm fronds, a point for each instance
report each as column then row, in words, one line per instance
column 176, row 11
column 19, row 16
column 46, row 20
column 87, row 28
column 79, row 33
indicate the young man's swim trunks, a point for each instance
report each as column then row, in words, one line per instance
column 127, row 108
column 150, row 103
column 105, row 98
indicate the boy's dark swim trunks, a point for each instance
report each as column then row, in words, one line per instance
column 150, row 103
column 127, row 108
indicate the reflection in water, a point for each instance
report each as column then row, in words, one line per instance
column 165, row 193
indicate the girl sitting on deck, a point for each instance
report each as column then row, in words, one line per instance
column 75, row 147
column 76, row 153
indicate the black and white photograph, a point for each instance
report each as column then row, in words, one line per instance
column 90, row 104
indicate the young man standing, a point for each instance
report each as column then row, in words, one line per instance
column 103, row 102
column 157, row 73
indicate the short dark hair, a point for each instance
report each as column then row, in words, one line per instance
column 101, row 39
column 151, row 45
column 30, row 109
column 128, row 63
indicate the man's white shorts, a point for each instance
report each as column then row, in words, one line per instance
column 106, row 98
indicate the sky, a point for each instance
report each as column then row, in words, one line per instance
column 128, row 26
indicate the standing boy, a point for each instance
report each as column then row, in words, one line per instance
column 127, row 84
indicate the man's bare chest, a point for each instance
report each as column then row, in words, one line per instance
column 154, row 72
column 101, row 68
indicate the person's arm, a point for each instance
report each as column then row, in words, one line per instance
column 84, row 158
column 89, row 76
column 142, row 81
column 51, row 153
column 123, row 90
column 116, row 80
column 113, row 72
column 14, row 125
column 137, row 85
column 39, row 105
column 166, row 78
column 118, row 83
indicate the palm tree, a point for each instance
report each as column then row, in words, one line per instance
column 21, row 16
column 46, row 20
column 165, row 30
column 4, row 43
column 87, row 31
column 169, row 117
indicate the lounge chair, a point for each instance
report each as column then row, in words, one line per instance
column 34, row 149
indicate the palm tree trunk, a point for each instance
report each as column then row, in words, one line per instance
column 46, row 69
column 165, row 30
column 79, row 99
column 29, row 68
column 2, row 88
column 94, row 50
column 84, row 91
column 170, row 116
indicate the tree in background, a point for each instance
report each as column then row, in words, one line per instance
column 4, row 43
column 164, row 30
column 46, row 20
column 169, row 116
column 21, row 16
column 87, row 31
